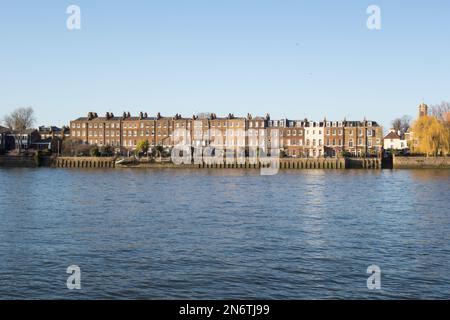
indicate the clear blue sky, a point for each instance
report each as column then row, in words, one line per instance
column 292, row 59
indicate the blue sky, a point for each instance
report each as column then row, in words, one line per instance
column 293, row 59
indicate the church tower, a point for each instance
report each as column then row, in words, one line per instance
column 423, row 110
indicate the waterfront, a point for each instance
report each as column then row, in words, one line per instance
column 205, row 234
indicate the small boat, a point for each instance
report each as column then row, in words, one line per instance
column 121, row 161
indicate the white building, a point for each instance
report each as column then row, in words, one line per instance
column 393, row 141
column 314, row 139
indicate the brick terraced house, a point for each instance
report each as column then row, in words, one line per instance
column 235, row 135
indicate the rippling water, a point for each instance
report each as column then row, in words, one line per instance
column 224, row 233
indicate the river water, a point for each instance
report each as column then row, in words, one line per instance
column 232, row 234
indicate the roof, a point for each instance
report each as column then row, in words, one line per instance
column 27, row 131
column 44, row 129
column 392, row 135
column 100, row 119
column 4, row 130
column 44, row 141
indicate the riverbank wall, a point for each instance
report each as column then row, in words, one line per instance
column 84, row 162
column 17, row 162
column 92, row 162
column 338, row 163
column 363, row 163
column 285, row 163
column 421, row 162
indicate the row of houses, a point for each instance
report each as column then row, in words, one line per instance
column 40, row 139
column 297, row 138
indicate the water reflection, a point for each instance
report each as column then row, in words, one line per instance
column 224, row 233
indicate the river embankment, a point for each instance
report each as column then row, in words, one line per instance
column 283, row 163
column 421, row 162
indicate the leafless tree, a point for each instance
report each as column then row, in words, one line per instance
column 19, row 121
column 441, row 110
column 402, row 124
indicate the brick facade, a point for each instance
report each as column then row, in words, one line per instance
column 297, row 138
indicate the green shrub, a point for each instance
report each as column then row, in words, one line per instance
column 94, row 152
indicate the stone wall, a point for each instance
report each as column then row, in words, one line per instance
column 17, row 161
column 284, row 163
column 421, row 162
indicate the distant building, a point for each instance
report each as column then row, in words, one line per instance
column 25, row 139
column 393, row 141
column 233, row 135
column 314, row 134
column 6, row 142
column 53, row 132
column 51, row 138
column 294, row 137
column 334, row 137
column 362, row 137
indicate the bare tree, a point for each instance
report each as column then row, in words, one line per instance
column 396, row 124
column 441, row 110
column 19, row 121
column 402, row 124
